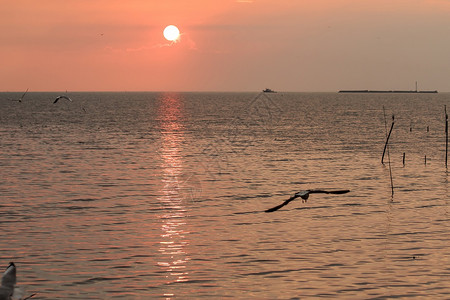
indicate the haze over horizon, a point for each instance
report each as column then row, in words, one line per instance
column 230, row 45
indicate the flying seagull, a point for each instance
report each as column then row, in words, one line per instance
column 21, row 98
column 63, row 96
column 305, row 195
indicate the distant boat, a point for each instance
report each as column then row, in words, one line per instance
column 268, row 91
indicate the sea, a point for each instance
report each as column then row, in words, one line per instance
column 162, row 195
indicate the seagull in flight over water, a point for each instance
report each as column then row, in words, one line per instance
column 21, row 98
column 63, row 96
column 305, row 195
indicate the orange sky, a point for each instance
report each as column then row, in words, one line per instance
column 226, row 45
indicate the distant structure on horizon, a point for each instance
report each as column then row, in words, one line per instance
column 388, row 91
column 268, row 91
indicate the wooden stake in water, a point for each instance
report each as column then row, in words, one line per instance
column 446, row 135
column 404, row 154
column 387, row 140
column 389, row 162
column 386, row 132
column 386, row 146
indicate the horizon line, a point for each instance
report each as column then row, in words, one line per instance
column 171, row 91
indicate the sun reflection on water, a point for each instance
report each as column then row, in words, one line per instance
column 174, row 236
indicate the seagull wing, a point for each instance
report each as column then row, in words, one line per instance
column 282, row 204
column 328, row 192
column 64, row 97
column 304, row 195
column 24, row 94
column 9, row 277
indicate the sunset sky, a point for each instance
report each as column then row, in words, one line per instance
column 225, row 45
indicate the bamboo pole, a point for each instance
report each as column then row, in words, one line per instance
column 387, row 147
column 390, row 172
column 386, row 132
column 446, row 135
column 387, row 140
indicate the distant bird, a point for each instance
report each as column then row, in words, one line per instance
column 63, row 96
column 305, row 195
column 21, row 98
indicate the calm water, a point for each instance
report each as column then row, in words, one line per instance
column 161, row 195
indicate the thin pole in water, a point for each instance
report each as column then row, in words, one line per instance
column 386, row 146
column 387, row 140
column 446, row 135
column 385, row 130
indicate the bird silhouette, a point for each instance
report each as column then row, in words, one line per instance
column 63, row 96
column 66, row 97
column 305, row 195
column 21, row 98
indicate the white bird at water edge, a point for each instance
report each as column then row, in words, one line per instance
column 305, row 195
column 8, row 282
column 8, row 289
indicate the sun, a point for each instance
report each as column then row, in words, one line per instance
column 171, row 33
